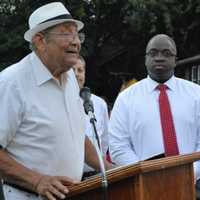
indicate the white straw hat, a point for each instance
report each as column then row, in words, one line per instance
column 47, row 16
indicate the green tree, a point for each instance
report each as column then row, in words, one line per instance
column 116, row 33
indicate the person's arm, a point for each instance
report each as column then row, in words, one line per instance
column 197, row 149
column 91, row 157
column 121, row 150
column 13, row 172
column 104, row 124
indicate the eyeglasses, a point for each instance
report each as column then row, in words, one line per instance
column 165, row 53
column 69, row 36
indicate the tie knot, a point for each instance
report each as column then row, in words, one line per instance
column 161, row 87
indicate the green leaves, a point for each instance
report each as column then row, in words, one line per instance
column 109, row 24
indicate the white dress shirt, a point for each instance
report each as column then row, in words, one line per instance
column 101, row 114
column 135, row 131
column 42, row 122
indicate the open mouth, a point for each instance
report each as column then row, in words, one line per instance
column 71, row 52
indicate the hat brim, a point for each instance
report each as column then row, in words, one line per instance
column 28, row 35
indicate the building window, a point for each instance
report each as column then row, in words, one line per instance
column 195, row 74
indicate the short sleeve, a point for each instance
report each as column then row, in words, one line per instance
column 10, row 111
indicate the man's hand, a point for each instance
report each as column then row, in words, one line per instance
column 53, row 187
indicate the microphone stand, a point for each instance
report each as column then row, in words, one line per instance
column 100, row 157
column 85, row 94
column 1, row 190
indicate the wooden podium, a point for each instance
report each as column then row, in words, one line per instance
column 170, row 178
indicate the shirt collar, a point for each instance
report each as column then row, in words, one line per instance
column 153, row 84
column 41, row 73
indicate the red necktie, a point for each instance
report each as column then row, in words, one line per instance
column 169, row 133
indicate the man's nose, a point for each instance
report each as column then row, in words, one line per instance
column 159, row 56
column 76, row 39
column 77, row 43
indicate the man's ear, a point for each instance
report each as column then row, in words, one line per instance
column 176, row 59
column 39, row 42
column 145, row 60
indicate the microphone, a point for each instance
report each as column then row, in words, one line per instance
column 85, row 94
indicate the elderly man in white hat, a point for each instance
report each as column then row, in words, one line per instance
column 42, row 140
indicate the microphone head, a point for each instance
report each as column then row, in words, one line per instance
column 85, row 93
column 88, row 106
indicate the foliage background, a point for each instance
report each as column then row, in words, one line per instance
column 117, row 32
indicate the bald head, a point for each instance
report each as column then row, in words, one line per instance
column 161, row 37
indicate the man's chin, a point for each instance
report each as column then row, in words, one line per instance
column 162, row 79
column 71, row 62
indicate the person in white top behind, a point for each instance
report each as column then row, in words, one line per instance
column 135, row 131
column 100, row 111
